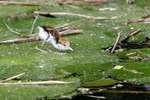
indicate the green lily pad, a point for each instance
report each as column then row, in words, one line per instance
column 100, row 82
column 129, row 74
column 18, row 92
column 87, row 56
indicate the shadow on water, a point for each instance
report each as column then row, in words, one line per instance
column 127, row 91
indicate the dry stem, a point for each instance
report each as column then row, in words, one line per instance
column 101, row 1
column 134, row 32
column 81, row 24
column 73, row 14
column 36, row 17
column 23, row 3
column 130, row 35
column 63, row 33
column 19, row 40
column 116, row 42
column 12, row 77
column 13, row 30
column 70, row 32
column 37, row 83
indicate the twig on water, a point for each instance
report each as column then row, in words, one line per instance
column 37, row 83
column 73, row 14
column 11, row 29
column 85, row 76
column 14, row 31
column 36, row 17
column 133, row 71
column 70, row 32
column 116, row 42
column 63, row 33
column 130, row 35
column 81, row 24
column 134, row 32
column 12, row 77
column 116, row 27
column 66, row 26
column 19, row 40
column 130, row 54
column 23, row 3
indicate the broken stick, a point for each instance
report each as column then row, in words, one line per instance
column 70, row 32
column 23, row 3
column 37, row 83
column 18, row 40
column 130, row 35
column 73, row 14
column 116, row 42
column 12, row 77
column 13, row 30
column 63, row 33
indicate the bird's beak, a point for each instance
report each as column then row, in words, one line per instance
column 70, row 48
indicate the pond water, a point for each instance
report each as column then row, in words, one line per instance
column 128, row 91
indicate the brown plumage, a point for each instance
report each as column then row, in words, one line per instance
column 63, row 41
column 51, row 30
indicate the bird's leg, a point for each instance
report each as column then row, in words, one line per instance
column 37, row 46
column 46, row 47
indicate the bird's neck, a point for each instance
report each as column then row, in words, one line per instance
column 55, row 43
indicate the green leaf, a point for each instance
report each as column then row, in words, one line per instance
column 118, row 67
column 87, row 56
column 37, row 91
column 130, row 76
column 100, row 82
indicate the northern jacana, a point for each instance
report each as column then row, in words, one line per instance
column 50, row 34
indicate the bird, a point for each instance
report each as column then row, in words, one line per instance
column 49, row 34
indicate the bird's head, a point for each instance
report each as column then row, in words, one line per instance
column 63, row 44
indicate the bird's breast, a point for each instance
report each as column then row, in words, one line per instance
column 45, row 36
